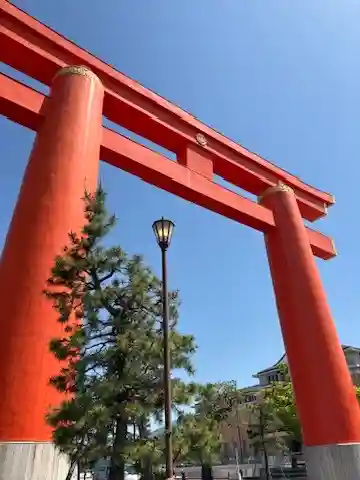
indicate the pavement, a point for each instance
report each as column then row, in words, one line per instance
column 220, row 472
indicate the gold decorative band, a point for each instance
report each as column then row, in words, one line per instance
column 77, row 70
column 280, row 187
column 201, row 139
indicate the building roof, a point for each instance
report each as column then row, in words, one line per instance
column 273, row 367
column 283, row 359
column 251, row 388
column 349, row 347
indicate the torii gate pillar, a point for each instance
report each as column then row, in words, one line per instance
column 328, row 409
column 63, row 164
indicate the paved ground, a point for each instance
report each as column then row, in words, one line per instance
column 220, row 472
column 224, row 472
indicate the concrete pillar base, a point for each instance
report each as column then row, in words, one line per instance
column 333, row 462
column 32, row 461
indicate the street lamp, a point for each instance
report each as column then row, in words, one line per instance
column 163, row 230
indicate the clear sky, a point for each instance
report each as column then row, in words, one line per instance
column 280, row 77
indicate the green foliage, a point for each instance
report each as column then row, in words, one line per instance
column 274, row 423
column 217, row 400
column 357, row 390
column 280, row 399
column 197, row 436
column 111, row 353
column 197, row 433
column 196, row 439
column 263, row 427
column 264, row 430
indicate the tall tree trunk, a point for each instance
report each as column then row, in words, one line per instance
column 71, row 470
column 206, row 471
column 145, row 463
column 266, row 462
column 117, row 464
column 264, row 447
column 295, row 449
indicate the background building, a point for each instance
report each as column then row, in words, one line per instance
column 234, row 432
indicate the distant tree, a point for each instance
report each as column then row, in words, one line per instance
column 111, row 353
column 263, row 430
column 280, row 399
column 357, row 390
column 218, row 400
column 198, row 435
column 196, row 440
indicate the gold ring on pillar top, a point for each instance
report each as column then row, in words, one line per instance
column 280, row 187
column 77, row 70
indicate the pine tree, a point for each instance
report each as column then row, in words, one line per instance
column 280, row 398
column 197, row 439
column 198, row 435
column 217, row 401
column 110, row 305
column 264, row 429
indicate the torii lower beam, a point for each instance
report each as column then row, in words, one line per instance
column 26, row 106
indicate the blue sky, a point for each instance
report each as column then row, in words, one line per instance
column 280, row 77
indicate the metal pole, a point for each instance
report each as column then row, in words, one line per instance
column 167, row 372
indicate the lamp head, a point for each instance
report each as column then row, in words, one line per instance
column 163, row 230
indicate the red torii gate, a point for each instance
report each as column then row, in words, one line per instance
column 70, row 140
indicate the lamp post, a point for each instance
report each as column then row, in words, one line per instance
column 163, row 230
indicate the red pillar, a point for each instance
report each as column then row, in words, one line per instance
column 63, row 163
column 325, row 396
